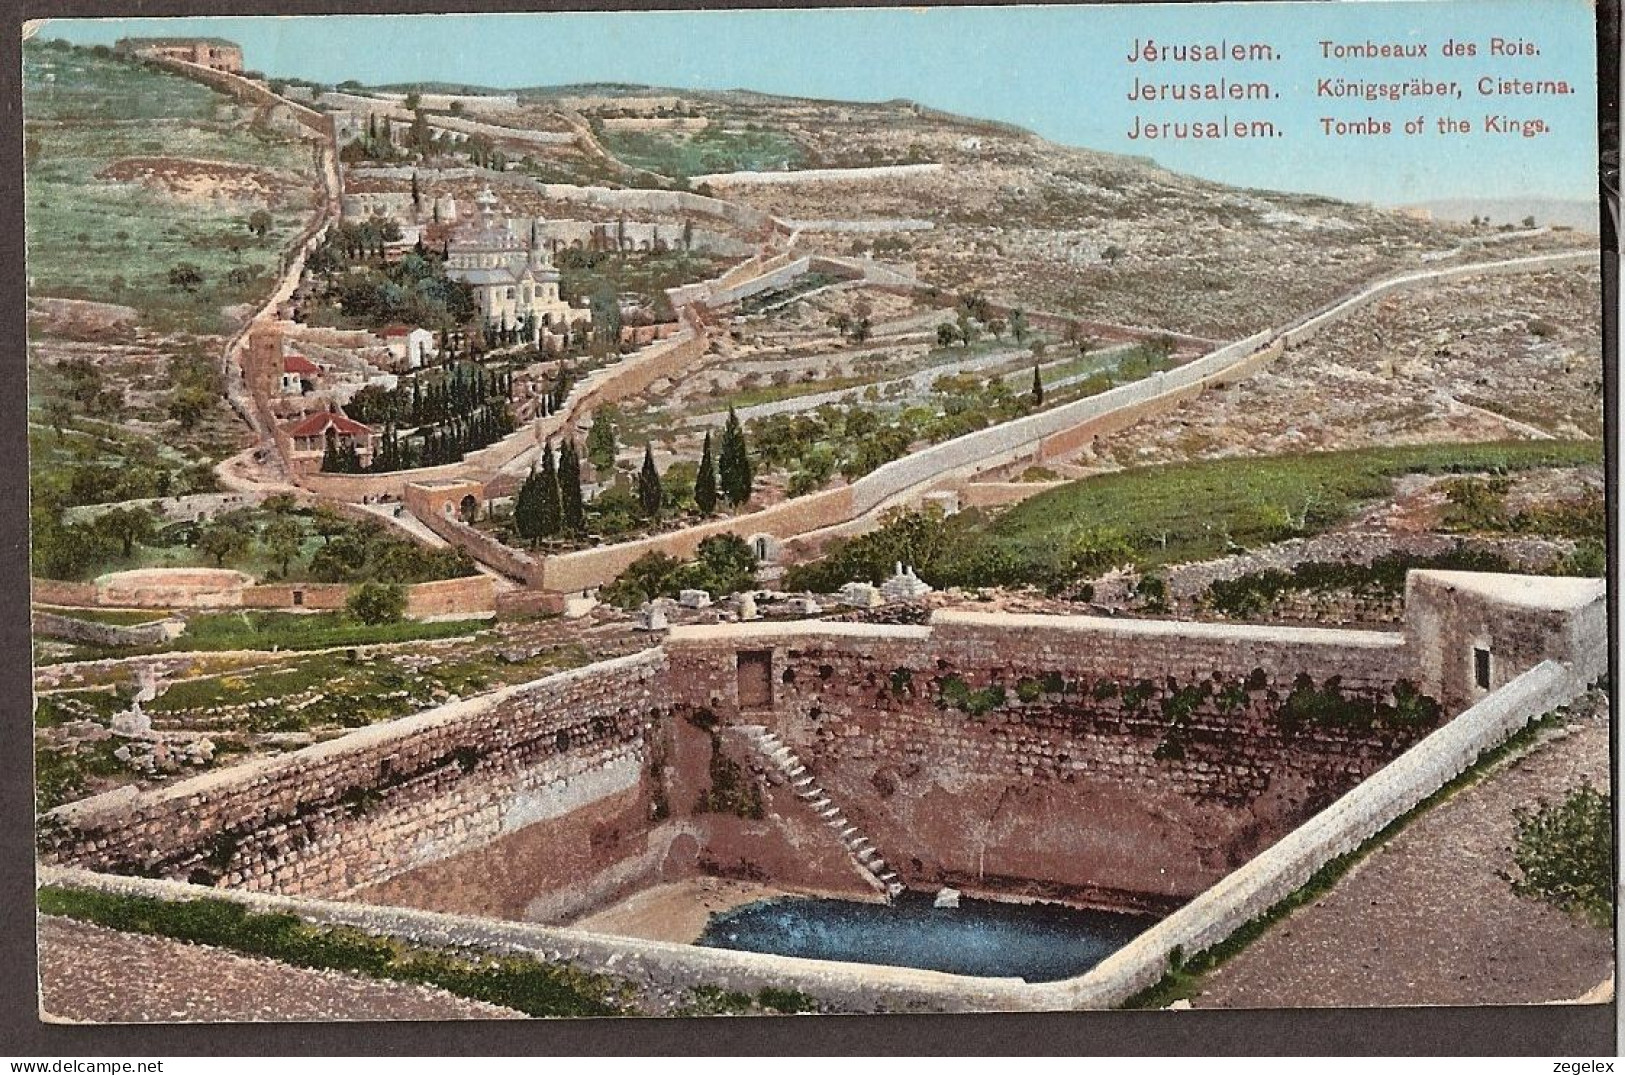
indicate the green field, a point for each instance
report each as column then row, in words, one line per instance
column 713, row 149
column 1192, row 511
column 92, row 238
column 1152, row 516
column 286, row 631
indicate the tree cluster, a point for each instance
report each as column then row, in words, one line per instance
column 367, row 289
column 549, row 504
column 723, row 564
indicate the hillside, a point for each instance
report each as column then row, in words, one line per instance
column 157, row 213
column 1010, row 214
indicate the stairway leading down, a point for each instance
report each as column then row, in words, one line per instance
column 859, row 848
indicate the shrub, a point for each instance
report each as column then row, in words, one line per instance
column 786, row 1001
column 377, row 602
column 1564, row 854
column 732, row 789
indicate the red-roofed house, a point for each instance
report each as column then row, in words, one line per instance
column 411, row 347
column 311, row 435
column 298, row 374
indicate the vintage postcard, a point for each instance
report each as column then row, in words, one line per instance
column 817, row 511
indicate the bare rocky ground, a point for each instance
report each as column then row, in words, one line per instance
column 1497, row 358
column 1053, row 227
column 1428, row 918
column 91, row 974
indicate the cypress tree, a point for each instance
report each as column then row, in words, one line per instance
column 1038, row 388
column 733, row 467
column 550, row 515
column 525, row 507
column 705, row 482
column 650, row 495
column 575, row 517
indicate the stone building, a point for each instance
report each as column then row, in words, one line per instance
column 410, row 347
column 299, row 375
column 212, row 52
column 310, row 437
column 513, row 277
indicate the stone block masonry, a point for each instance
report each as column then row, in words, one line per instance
column 1133, row 764
column 1338, row 830
column 969, row 749
column 1203, row 922
column 381, row 800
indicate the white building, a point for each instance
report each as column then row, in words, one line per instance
column 513, row 278
column 410, row 347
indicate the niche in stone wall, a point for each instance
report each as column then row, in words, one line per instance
column 755, row 671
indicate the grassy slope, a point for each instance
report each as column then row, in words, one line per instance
column 705, row 151
column 1186, row 511
column 115, row 242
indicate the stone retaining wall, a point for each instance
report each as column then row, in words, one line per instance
column 590, row 568
column 1338, row 830
column 204, row 588
column 1004, row 787
column 156, row 633
column 968, row 750
column 57, row 592
column 384, row 799
column 854, row 987
column 1190, row 581
column 820, row 175
column 1207, row 920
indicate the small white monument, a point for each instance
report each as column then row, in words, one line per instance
column 693, row 598
column 651, row 617
column 133, row 723
column 904, row 585
column 747, row 606
column 946, row 897
column 861, row 595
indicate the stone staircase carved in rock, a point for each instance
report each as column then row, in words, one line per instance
column 859, row 848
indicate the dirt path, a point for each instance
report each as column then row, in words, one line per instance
column 91, row 974
column 1427, row 919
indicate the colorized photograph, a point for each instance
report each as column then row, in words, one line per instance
column 838, row 511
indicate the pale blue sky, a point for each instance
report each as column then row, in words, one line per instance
column 1059, row 71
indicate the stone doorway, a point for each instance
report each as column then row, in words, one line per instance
column 756, row 679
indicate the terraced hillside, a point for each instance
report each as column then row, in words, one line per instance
column 157, row 213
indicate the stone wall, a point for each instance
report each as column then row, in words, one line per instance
column 1170, row 738
column 482, row 546
column 1339, row 829
column 385, row 799
column 156, row 633
column 1189, row 581
column 629, row 376
column 1203, row 922
column 57, row 592
column 513, row 604
column 253, row 93
column 474, row 594
column 204, row 588
column 172, row 587
column 325, row 596
column 590, row 568
column 852, row 987
column 1055, row 789
column 804, row 176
